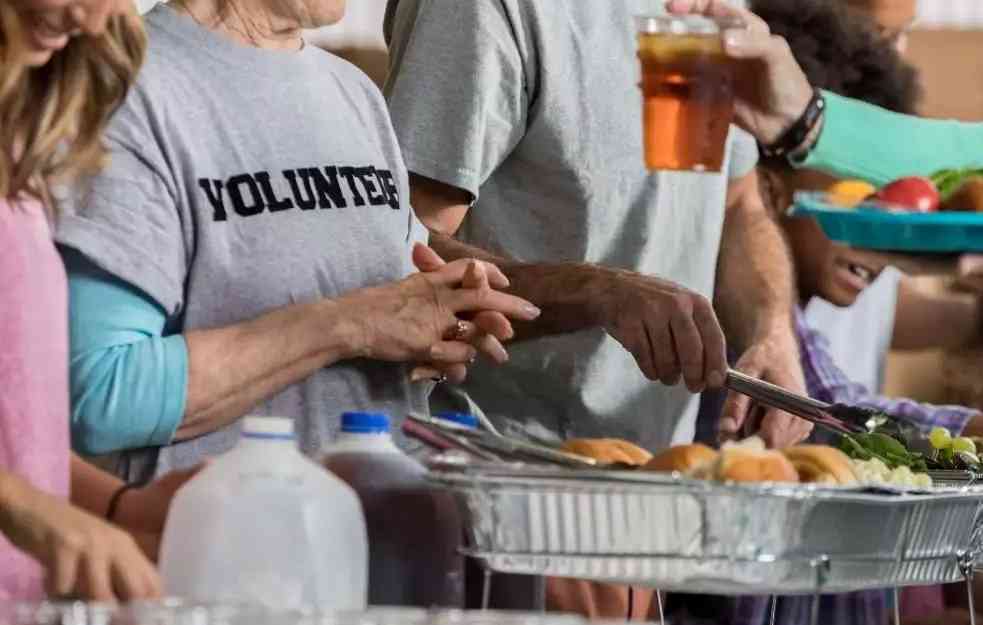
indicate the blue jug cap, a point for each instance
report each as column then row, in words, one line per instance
column 461, row 418
column 364, row 423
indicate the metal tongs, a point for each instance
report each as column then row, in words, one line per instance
column 487, row 443
column 839, row 418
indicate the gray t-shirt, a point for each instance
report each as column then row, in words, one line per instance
column 533, row 107
column 242, row 181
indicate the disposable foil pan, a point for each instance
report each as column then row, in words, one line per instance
column 686, row 535
column 955, row 478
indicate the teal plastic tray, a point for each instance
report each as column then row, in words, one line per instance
column 875, row 226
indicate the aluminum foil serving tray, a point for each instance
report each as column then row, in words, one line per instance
column 676, row 534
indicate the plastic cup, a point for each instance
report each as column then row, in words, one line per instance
column 687, row 89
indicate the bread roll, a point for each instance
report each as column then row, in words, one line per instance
column 609, row 451
column 683, row 458
column 743, row 465
column 818, row 464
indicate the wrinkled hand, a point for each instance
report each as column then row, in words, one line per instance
column 672, row 332
column 771, row 89
column 89, row 16
column 84, row 556
column 416, row 320
column 485, row 330
column 143, row 511
column 777, row 362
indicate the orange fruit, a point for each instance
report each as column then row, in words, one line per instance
column 849, row 193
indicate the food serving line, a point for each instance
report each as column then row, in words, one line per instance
column 678, row 534
column 534, row 510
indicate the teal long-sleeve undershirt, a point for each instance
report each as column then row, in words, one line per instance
column 859, row 140
column 128, row 377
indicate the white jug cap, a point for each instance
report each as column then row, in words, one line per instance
column 268, row 426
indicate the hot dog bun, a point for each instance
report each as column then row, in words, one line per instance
column 683, row 458
column 820, row 464
column 609, row 450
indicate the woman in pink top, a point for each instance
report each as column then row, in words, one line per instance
column 62, row 73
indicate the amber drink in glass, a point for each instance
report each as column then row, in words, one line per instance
column 688, row 91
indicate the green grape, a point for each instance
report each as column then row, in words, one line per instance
column 963, row 444
column 940, row 438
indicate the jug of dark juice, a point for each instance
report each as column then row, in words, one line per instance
column 415, row 530
column 688, row 91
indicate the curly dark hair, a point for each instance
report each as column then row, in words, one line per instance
column 841, row 50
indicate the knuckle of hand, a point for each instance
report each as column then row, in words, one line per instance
column 702, row 305
column 74, row 541
column 683, row 304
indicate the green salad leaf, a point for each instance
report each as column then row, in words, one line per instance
column 887, row 449
column 948, row 181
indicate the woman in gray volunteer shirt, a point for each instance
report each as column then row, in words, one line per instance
column 247, row 249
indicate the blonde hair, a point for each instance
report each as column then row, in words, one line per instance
column 52, row 117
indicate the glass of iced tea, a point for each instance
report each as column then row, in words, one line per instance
column 688, row 90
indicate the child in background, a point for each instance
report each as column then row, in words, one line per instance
column 893, row 312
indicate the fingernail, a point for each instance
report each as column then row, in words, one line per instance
column 715, row 379
column 728, row 425
column 501, row 354
column 437, row 352
column 735, row 39
column 418, row 376
column 531, row 312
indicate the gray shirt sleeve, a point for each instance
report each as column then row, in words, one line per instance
column 457, row 88
column 126, row 218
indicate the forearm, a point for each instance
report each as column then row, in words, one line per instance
column 133, row 387
column 91, row 488
column 12, row 491
column 232, row 369
column 567, row 293
column 755, row 294
column 17, row 501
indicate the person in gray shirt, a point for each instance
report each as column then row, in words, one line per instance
column 520, row 122
column 250, row 249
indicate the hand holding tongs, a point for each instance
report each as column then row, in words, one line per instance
column 838, row 418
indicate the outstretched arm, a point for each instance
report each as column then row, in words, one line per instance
column 672, row 332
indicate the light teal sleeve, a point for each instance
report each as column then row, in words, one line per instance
column 128, row 380
column 863, row 141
